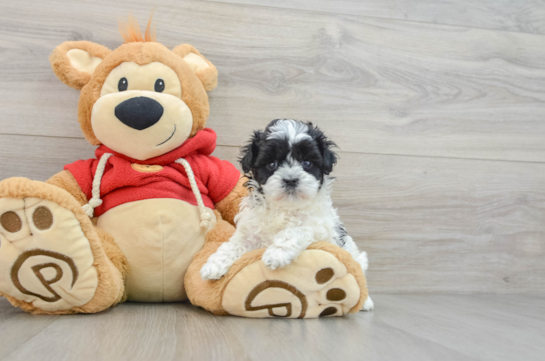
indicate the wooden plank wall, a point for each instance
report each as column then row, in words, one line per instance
column 438, row 108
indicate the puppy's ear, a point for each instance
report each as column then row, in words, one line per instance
column 75, row 61
column 326, row 145
column 249, row 152
column 330, row 159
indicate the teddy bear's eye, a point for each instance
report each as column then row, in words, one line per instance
column 159, row 85
column 123, row 84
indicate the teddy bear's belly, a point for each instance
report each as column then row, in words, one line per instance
column 159, row 238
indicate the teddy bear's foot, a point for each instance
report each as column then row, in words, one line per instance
column 46, row 261
column 316, row 284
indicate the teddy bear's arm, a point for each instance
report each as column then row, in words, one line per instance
column 229, row 206
column 66, row 181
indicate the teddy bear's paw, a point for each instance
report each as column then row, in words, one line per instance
column 316, row 284
column 45, row 258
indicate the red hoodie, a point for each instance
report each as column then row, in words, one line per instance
column 122, row 183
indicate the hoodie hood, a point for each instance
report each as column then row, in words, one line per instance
column 204, row 142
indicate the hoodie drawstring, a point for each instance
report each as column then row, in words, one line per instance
column 95, row 200
column 206, row 219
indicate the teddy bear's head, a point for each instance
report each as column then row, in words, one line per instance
column 141, row 100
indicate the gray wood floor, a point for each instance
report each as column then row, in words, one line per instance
column 403, row 327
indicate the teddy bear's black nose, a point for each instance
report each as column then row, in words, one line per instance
column 139, row 113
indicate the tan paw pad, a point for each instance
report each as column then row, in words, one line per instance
column 316, row 284
column 45, row 258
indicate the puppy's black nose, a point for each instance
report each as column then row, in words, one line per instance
column 290, row 183
column 139, row 113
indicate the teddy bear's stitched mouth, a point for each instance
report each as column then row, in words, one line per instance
column 168, row 137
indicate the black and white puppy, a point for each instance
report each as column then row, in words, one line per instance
column 289, row 204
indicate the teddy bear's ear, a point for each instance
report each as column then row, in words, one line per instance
column 75, row 61
column 202, row 67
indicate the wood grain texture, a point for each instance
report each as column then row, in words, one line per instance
column 403, row 327
column 446, row 225
column 526, row 16
column 428, row 224
column 376, row 86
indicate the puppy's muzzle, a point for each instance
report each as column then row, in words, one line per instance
column 290, row 183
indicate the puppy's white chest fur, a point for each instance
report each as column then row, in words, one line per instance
column 259, row 221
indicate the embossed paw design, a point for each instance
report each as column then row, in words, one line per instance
column 316, row 284
column 45, row 258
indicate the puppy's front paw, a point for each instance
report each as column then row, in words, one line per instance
column 275, row 257
column 213, row 271
column 369, row 305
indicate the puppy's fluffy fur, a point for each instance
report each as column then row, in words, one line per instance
column 289, row 204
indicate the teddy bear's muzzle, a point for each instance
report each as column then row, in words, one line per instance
column 139, row 113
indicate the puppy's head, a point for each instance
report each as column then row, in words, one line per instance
column 289, row 161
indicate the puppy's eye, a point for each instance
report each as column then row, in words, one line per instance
column 159, row 85
column 272, row 166
column 122, row 85
column 306, row 164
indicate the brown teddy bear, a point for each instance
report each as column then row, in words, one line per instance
column 138, row 221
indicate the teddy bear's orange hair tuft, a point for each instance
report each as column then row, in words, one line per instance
column 130, row 31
